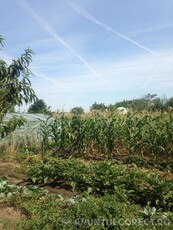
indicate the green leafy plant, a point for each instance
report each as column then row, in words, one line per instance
column 7, row 190
column 15, row 88
column 104, row 177
column 105, row 135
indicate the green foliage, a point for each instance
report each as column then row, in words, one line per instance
column 77, row 134
column 102, row 178
column 39, row 106
column 148, row 102
column 15, row 88
column 89, row 212
column 11, row 125
column 108, row 134
column 169, row 102
column 77, row 110
column 10, row 190
column 97, row 106
column 45, row 132
column 7, row 190
column 60, row 133
column 97, row 213
column 14, row 83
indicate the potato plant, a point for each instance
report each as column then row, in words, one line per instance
column 100, row 178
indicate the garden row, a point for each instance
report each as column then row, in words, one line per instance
column 109, row 134
column 99, row 178
column 49, row 211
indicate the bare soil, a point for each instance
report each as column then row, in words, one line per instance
column 9, row 214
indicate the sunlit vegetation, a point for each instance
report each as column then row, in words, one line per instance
column 109, row 134
column 115, row 168
column 99, row 170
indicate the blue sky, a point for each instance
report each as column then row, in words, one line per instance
column 92, row 50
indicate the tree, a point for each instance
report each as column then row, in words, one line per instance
column 169, row 103
column 39, row 106
column 15, row 87
column 124, row 103
column 97, row 106
column 158, row 104
column 77, row 110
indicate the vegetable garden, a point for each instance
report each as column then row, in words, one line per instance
column 91, row 171
column 109, row 134
column 118, row 168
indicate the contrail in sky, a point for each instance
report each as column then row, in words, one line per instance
column 50, row 30
column 58, row 84
column 9, row 59
column 91, row 18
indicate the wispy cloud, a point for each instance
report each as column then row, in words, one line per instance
column 57, row 84
column 91, row 18
column 51, row 31
column 123, row 74
column 163, row 69
column 126, row 76
column 153, row 28
column 8, row 59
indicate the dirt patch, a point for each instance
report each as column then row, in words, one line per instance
column 61, row 191
column 14, row 180
column 12, row 172
column 10, row 215
column 7, row 170
column 9, row 164
column 8, row 167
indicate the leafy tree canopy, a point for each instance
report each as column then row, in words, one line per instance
column 97, row 106
column 77, row 110
column 39, row 106
column 15, row 86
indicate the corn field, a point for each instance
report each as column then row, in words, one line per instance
column 109, row 134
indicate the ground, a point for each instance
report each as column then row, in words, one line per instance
column 12, row 170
